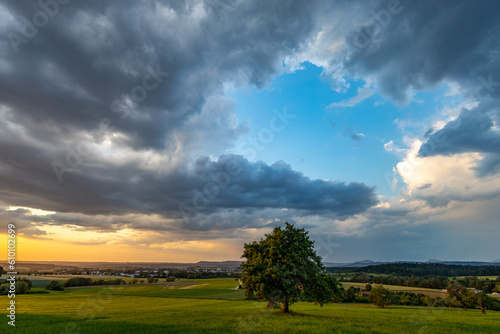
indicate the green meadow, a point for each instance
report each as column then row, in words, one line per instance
column 215, row 306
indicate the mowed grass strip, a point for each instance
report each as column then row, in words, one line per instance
column 117, row 313
column 179, row 292
column 213, row 283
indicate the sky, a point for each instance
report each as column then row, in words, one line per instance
column 177, row 131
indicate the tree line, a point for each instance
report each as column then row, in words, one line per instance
column 22, row 286
column 437, row 282
column 422, row 269
column 458, row 297
column 180, row 273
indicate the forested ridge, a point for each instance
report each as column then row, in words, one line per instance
column 422, row 269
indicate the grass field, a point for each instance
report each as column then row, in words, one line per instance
column 93, row 277
column 214, row 306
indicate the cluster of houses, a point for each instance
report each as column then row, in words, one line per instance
column 131, row 273
column 137, row 273
column 479, row 291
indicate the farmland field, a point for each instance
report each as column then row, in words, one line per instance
column 395, row 288
column 38, row 281
column 215, row 306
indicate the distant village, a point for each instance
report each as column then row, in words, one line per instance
column 206, row 270
column 144, row 273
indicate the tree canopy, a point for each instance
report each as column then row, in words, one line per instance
column 380, row 296
column 283, row 268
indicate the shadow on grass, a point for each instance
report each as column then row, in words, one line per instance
column 293, row 314
column 41, row 324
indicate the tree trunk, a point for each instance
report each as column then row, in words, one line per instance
column 270, row 304
column 285, row 308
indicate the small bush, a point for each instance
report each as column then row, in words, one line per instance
column 152, row 280
column 4, row 289
column 55, row 285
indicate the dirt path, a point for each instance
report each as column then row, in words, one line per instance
column 192, row 286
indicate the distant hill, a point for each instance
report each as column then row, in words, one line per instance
column 356, row 264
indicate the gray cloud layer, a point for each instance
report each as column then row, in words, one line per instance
column 88, row 67
column 95, row 52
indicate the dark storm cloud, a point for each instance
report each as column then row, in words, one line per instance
column 231, row 182
column 472, row 131
column 423, row 43
column 93, row 53
column 419, row 45
column 490, row 164
column 256, row 185
column 92, row 59
column 147, row 76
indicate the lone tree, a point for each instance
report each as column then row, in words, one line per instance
column 284, row 268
